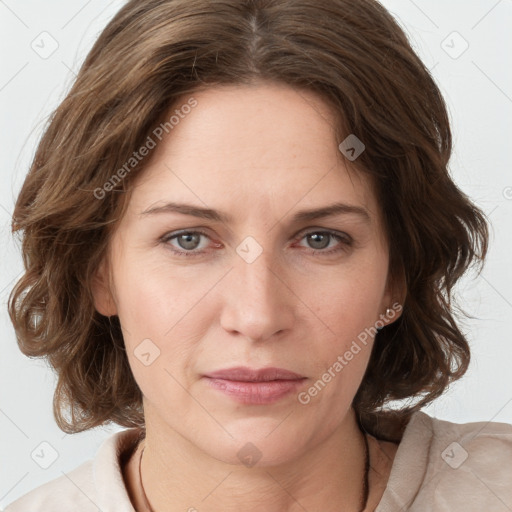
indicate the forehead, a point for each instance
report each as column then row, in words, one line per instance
column 260, row 150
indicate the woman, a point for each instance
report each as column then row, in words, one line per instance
column 241, row 240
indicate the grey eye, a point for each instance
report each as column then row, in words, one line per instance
column 188, row 241
column 319, row 240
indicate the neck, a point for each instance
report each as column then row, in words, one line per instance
column 179, row 476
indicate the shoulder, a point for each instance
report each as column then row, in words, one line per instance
column 97, row 484
column 72, row 490
column 479, row 447
column 445, row 466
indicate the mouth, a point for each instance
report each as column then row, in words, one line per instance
column 255, row 386
column 245, row 374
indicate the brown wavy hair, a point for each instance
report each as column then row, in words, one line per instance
column 353, row 55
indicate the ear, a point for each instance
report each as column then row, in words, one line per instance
column 101, row 290
column 394, row 298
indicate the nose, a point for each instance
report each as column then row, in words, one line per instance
column 257, row 301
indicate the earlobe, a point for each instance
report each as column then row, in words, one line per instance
column 395, row 300
column 393, row 312
column 100, row 287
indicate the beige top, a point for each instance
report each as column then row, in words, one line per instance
column 439, row 466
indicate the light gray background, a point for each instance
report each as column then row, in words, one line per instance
column 477, row 85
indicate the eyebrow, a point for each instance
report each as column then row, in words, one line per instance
column 300, row 216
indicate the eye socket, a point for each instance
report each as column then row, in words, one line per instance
column 321, row 238
column 188, row 241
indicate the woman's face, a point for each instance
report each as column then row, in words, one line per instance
column 257, row 282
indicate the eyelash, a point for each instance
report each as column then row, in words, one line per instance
column 345, row 240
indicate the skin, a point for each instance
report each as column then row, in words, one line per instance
column 259, row 153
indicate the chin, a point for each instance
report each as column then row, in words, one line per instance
column 256, row 443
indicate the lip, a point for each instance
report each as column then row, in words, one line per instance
column 255, row 386
column 246, row 374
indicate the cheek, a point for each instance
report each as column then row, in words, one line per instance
column 163, row 317
column 145, row 304
column 346, row 305
column 342, row 330
column 348, row 298
column 159, row 340
column 153, row 296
